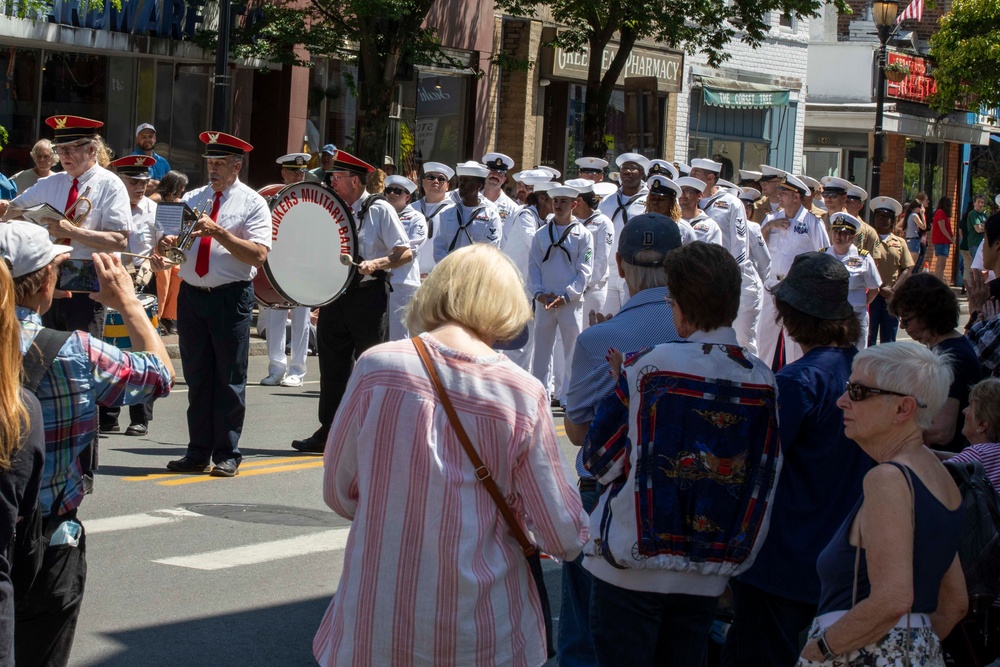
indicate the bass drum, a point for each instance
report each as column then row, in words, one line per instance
column 310, row 228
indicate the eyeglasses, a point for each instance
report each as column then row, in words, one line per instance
column 72, row 148
column 439, row 179
column 394, row 191
column 905, row 321
column 859, row 392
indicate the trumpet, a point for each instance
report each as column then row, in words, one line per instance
column 177, row 253
column 74, row 213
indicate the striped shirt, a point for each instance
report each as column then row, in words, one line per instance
column 86, row 373
column 431, row 574
column 988, row 454
column 644, row 321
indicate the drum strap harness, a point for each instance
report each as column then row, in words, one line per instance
column 463, row 226
column 623, row 207
column 559, row 244
column 430, row 219
column 365, row 206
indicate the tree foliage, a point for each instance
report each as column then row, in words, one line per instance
column 966, row 51
column 707, row 26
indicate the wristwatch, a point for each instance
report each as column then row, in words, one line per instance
column 824, row 648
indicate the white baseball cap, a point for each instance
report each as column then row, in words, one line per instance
column 144, row 126
column 27, row 247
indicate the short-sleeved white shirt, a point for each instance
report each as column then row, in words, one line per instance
column 864, row 276
column 415, row 226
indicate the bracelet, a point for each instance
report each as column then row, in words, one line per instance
column 824, row 647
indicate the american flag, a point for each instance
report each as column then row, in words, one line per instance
column 915, row 10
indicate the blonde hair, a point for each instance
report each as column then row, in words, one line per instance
column 912, row 370
column 477, row 287
column 13, row 414
column 102, row 152
column 375, row 183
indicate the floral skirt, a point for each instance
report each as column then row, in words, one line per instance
column 890, row 651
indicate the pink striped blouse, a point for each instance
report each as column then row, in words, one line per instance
column 431, row 575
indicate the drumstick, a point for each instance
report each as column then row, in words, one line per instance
column 347, row 260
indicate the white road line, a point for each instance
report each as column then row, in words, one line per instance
column 250, row 385
column 130, row 521
column 328, row 540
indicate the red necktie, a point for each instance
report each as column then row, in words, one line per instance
column 73, row 194
column 205, row 244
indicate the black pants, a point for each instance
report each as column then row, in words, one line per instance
column 137, row 414
column 45, row 620
column 76, row 313
column 767, row 629
column 214, row 329
column 346, row 328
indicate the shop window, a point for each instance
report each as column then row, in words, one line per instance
column 18, row 101
column 438, row 126
column 923, row 170
column 183, row 95
column 734, row 154
column 787, row 21
column 818, row 163
column 76, row 84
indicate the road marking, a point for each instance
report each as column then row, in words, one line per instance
column 130, row 521
column 249, row 473
column 247, row 463
column 328, row 540
column 251, row 385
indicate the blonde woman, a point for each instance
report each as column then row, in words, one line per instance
column 22, row 453
column 457, row 589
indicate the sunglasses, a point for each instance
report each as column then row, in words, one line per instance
column 394, row 191
column 439, row 179
column 831, row 195
column 859, row 392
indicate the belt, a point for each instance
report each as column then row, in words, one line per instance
column 242, row 284
column 588, row 484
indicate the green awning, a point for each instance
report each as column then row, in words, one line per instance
column 743, row 94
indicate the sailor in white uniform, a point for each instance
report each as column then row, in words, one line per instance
column 865, row 278
column 434, row 202
column 703, row 228
column 603, row 231
column 628, row 202
column 499, row 164
column 592, row 168
column 404, row 280
column 758, row 248
column 473, row 220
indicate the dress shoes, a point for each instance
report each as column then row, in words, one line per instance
column 110, row 428
column 227, row 468
column 271, row 381
column 137, row 429
column 310, row 445
column 186, row 464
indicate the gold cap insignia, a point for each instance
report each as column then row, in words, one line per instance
column 61, row 122
column 213, row 137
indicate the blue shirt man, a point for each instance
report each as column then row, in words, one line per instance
column 145, row 140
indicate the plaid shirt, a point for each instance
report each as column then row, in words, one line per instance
column 985, row 338
column 86, row 373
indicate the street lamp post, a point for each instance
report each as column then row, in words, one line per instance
column 884, row 14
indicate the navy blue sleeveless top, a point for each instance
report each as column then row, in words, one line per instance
column 935, row 543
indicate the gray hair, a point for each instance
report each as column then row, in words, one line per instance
column 641, row 278
column 911, row 369
column 43, row 144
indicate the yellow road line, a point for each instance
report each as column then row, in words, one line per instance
column 249, row 473
column 251, row 463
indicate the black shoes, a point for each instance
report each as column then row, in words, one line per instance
column 137, row 429
column 186, row 465
column 110, row 428
column 310, row 445
column 227, row 468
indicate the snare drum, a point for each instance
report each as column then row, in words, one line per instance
column 310, row 228
column 115, row 332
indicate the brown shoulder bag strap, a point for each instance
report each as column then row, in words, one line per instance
column 482, row 472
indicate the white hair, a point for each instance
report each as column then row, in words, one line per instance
column 641, row 278
column 911, row 369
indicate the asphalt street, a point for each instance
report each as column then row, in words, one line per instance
column 198, row 570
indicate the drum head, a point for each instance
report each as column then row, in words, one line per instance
column 310, row 228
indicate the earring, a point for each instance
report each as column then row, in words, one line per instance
column 895, row 421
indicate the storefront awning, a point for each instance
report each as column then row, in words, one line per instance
column 743, row 94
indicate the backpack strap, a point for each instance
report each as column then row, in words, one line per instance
column 40, row 355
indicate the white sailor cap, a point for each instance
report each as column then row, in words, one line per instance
column 546, row 186
column 498, row 162
column 835, row 186
column 857, row 192
column 638, row 158
column 563, row 191
column 439, row 168
column 885, row 204
column 662, row 168
column 661, row 185
column 294, row 160
column 842, row 220
column 533, row 176
column 793, row 184
column 706, row 164
column 767, row 172
column 581, row 185
column 748, row 175
column 606, row 189
column 555, row 173
column 682, row 168
column 472, row 168
column 749, row 194
column 810, row 181
column 402, row 182
column 591, row 165
column 689, row 182
column 728, row 185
